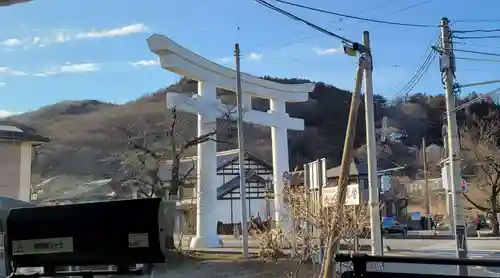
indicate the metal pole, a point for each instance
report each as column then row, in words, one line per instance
column 426, row 185
column 373, row 184
column 241, row 158
column 448, row 67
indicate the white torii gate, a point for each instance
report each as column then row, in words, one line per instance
column 205, row 104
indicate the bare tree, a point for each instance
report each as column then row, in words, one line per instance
column 152, row 151
column 481, row 153
column 156, row 162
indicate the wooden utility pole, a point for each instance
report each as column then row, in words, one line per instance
column 328, row 266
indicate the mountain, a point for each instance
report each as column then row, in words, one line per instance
column 89, row 136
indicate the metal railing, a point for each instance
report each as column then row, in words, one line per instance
column 361, row 261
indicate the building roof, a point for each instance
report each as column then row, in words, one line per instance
column 355, row 169
column 223, row 159
column 8, row 132
column 234, row 183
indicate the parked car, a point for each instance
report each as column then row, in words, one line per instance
column 395, row 228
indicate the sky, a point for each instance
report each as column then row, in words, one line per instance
column 51, row 51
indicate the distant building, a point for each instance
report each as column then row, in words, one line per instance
column 16, row 148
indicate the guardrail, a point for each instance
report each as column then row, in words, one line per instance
column 360, row 261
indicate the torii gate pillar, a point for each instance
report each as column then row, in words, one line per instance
column 210, row 76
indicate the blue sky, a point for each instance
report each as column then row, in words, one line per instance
column 52, row 51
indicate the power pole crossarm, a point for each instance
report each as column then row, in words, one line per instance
column 447, row 68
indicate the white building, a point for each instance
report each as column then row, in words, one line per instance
column 259, row 184
column 16, row 148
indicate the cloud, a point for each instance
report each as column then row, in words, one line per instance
column 71, row 68
column 255, row 56
column 63, row 36
column 9, row 71
column 117, row 32
column 225, row 60
column 328, row 51
column 11, row 42
column 4, row 113
column 3, row 84
column 146, row 63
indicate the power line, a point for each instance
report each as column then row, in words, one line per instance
column 477, row 21
column 424, row 67
column 370, row 9
column 418, row 75
column 479, row 45
column 356, row 17
column 314, row 26
column 477, row 31
column 477, row 37
column 469, row 103
column 478, row 59
column 477, row 52
column 413, row 6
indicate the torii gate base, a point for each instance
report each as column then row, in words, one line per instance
column 205, row 104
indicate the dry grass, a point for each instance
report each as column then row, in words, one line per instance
column 227, row 265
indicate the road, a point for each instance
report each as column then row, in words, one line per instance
column 484, row 248
column 478, row 249
column 481, row 247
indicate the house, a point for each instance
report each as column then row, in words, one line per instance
column 16, row 149
column 259, row 185
column 393, row 200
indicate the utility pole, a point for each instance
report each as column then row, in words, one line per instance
column 447, row 65
column 373, row 184
column 364, row 60
column 426, row 185
column 241, row 156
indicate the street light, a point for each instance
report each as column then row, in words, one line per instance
column 4, row 3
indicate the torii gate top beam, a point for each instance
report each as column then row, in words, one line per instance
column 180, row 60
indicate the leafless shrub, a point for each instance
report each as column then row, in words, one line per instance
column 313, row 225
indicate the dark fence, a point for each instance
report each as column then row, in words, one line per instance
column 360, row 261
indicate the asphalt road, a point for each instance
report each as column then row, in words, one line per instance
column 485, row 248
column 403, row 245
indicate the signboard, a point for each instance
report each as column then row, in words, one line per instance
column 352, row 197
column 416, row 215
column 463, row 183
column 286, row 176
column 387, row 221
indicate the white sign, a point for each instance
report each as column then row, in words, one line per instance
column 42, row 246
column 140, row 240
column 352, row 197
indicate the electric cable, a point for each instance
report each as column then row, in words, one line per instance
column 476, row 52
column 478, row 45
column 356, row 17
column 300, row 40
column 312, row 25
column 423, row 68
column 477, row 21
column 476, row 99
column 477, row 37
column 478, row 59
column 476, row 31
